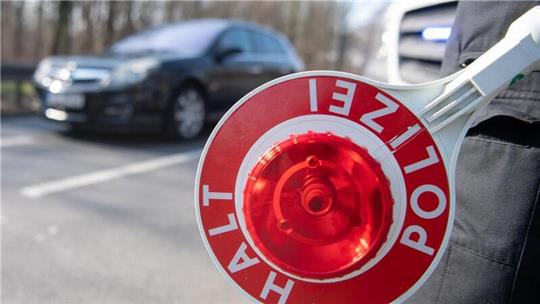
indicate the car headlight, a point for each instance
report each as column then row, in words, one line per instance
column 131, row 72
column 42, row 70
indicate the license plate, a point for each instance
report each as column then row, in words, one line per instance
column 72, row 101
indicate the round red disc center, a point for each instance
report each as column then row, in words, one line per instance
column 318, row 206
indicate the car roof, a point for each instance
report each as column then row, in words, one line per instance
column 222, row 24
column 216, row 23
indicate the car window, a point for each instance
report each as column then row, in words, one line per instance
column 235, row 39
column 266, row 44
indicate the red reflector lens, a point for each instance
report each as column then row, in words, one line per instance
column 318, row 206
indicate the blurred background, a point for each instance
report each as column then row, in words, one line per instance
column 95, row 210
column 326, row 34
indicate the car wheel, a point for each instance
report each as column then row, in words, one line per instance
column 187, row 115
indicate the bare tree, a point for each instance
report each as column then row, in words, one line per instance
column 19, row 28
column 172, row 11
column 39, row 30
column 128, row 26
column 342, row 34
column 192, row 9
column 146, row 15
column 110, row 27
column 61, row 40
column 88, row 43
column 7, row 29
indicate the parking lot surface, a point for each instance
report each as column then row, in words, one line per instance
column 101, row 218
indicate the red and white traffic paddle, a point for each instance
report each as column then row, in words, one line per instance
column 326, row 187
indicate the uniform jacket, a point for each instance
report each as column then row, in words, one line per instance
column 494, row 251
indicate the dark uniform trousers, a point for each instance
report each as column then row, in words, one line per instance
column 494, row 251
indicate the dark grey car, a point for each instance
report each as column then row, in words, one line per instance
column 173, row 77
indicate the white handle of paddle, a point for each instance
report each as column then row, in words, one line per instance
column 505, row 63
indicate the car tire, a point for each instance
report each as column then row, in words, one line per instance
column 186, row 116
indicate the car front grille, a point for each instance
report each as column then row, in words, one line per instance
column 420, row 56
column 79, row 78
column 89, row 75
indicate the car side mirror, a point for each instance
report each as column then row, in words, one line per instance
column 221, row 54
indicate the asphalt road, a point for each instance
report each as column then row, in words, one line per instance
column 96, row 218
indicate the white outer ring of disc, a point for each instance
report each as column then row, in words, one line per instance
column 362, row 137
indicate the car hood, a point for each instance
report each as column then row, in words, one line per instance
column 108, row 61
column 100, row 62
column 91, row 72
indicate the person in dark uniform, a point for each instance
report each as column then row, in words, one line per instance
column 494, row 251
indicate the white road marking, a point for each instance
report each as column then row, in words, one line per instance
column 82, row 180
column 12, row 141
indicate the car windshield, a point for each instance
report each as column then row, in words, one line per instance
column 187, row 38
